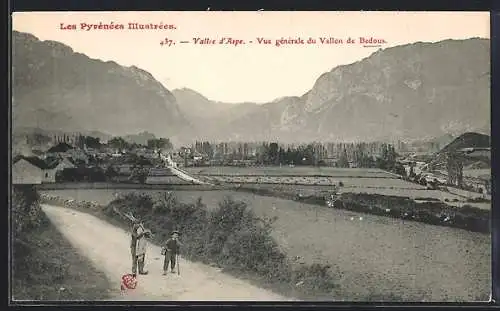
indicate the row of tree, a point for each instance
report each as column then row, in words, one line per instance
column 311, row 154
column 246, row 150
column 121, row 143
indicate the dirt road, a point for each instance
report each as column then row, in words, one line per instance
column 108, row 248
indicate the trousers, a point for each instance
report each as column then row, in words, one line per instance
column 169, row 259
column 138, row 261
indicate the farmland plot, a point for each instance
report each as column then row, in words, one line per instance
column 290, row 171
column 313, row 180
column 349, row 182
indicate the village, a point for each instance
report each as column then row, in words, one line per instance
column 79, row 158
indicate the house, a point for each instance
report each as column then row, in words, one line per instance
column 64, row 164
column 26, row 173
column 32, row 170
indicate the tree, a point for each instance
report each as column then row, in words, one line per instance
column 412, row 174
column 281, row 156
column 288, row 156
column 272, row 153
column 110, row 173
column 388, row 159
column 391, row 157
column 399, row 169
column 118, row 143
column 92, row 142
column 343, row 160
column 161, row 143
column 309, row 154
column 207, row 149
column 139, row 173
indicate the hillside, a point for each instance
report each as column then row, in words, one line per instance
column 208, row 117
column 468, row 140
column 414, row 91
column 417, row 91
column 55, row 88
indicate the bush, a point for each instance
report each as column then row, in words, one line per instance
column 27, row 216
column 230, row 236
column 26, row 211
column 315, row 277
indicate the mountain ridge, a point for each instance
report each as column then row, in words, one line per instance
column 419, row 90
column 428, row 77
column 56, row 88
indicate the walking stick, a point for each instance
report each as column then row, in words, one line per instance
column 178, row 265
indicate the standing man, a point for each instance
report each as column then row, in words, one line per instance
column 138, row 247
column 171, row 249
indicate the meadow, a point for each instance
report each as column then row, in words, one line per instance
column 375, row 255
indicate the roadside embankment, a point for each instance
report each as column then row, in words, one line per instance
column 45, row 266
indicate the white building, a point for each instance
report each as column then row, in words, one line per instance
column 33, row 170
column 26, row 173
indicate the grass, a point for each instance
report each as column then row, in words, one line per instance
column 372, row 259
column 292, row 190
column 230, row 236
column 45, row 265
column 432, row 212
column 314, row 179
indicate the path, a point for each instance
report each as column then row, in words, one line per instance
column 108, row 248
column 180, row 173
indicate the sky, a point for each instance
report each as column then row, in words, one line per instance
column 251, row 72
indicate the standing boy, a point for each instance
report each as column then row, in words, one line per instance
column 171, row 250
column 138, row 247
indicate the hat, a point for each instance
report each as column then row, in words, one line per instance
column 175, row 232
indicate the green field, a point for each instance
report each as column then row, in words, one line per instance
column 376, row 255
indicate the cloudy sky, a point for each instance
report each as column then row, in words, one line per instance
column 253, row 72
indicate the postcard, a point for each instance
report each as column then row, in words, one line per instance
column 251, row 156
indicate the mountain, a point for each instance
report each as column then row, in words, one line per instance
column 55, row 88
column 207, row 116
column 417, row 91
column 443, row 140
column 468, row 140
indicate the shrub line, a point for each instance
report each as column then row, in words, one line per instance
column 434, row 213
column 230, row 236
